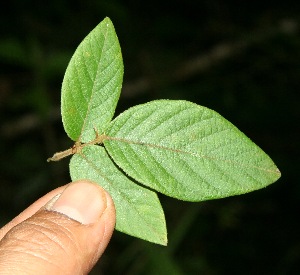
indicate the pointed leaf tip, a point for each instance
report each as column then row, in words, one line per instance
column 187, row 151
column 139, row 212
column 92, row 83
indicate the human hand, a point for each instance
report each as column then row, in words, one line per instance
column 64, row 232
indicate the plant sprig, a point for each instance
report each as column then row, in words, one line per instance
column 174, row 147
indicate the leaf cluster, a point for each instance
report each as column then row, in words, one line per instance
column 174, row 147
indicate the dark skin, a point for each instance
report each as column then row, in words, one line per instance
column 64, row 232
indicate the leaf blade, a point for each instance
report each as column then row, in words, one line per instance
column 196, row 152
column 138, row 210
column 92, row 83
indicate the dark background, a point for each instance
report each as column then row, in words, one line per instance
column 240, row 58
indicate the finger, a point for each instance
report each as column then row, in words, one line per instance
column 67, row 236
column 32, row 209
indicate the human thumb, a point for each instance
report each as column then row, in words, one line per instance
column 66, row 236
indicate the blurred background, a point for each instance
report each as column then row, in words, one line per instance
column 240, row 58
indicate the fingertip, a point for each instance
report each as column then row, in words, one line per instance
column 76, row 223
column 83, row 201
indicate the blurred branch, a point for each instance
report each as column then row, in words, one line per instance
column 26, row 123
column 184, row 71
column 217, row 54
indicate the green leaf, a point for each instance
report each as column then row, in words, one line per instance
column 92, row 84
column 187, row 151
column 138, row 210
column 178, row 148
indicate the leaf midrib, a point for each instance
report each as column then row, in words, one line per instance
column 180, row 151
column 93, row 87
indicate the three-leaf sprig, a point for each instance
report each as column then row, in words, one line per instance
column 175, row 147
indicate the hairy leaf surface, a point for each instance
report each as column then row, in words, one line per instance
column 187, row 151
column 178, row 148
column 138, row 209
column 92, row 84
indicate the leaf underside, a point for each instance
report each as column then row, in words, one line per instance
column 178, row 148
column 92, row 84
column 138, row 210
column 187, row 151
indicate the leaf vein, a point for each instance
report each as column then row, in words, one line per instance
column 189, row 153
column 125, row 199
